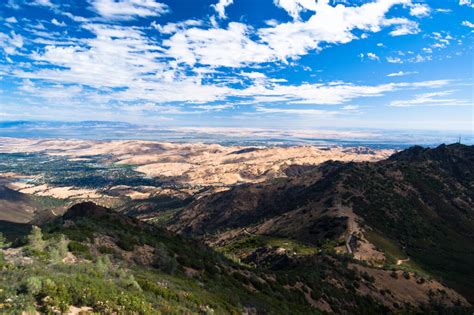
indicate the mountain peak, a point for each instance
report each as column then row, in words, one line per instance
column 87, row 209
column 440, row 153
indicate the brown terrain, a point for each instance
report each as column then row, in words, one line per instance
column 186, row 164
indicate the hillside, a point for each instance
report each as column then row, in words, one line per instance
column 95, row 259
column 18, row 207
column 413, row 211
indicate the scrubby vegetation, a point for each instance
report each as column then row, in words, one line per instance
column 429, row 213
column 99, row 259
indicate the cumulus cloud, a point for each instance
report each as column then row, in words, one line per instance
column 466, row 3
column 221, row 6
column 229, row 47
column 129, row 9
column 332, row 25
column 327, row 25
column 295, row 7
column 11, row 19
column 420, row 10
column 468, row 24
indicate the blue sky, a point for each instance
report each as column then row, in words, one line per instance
column 395, row 64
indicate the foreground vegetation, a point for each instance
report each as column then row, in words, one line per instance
column 102, row 260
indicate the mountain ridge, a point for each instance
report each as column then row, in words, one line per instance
column 417, row 194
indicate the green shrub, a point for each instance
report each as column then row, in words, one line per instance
column 3, row 241
column 163, row 261
column 79, row 249
column 35, row 239
column 33, row 285
column 127, row 242
column 54, row 256
column 103, row 264
column 105, row 250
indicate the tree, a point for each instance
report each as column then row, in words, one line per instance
column 163, row 261
column 58, row 250
column 62, row 246
column 35, row 239
column 3, row 241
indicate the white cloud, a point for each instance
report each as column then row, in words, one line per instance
column 466, row 3
column 171, row 28
column 419, row 58
column 372, row 56
column 253, row 75
column 420, row 10
column 332, row 93
column 11, row 19
column 271, row 22
column 405, row 28
column 216, row 108
column 45, row 3
column 468, row 24
column 401, row 73
column 333, row 25
column 11, row 43
column 427, row 50
column 295, row 7
column 328, row 25
column 394, row 60
column 114, row 58
column 129, row 9
column 221, row 6
column 431, row 99
column 57, row 23
column 229, row 47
